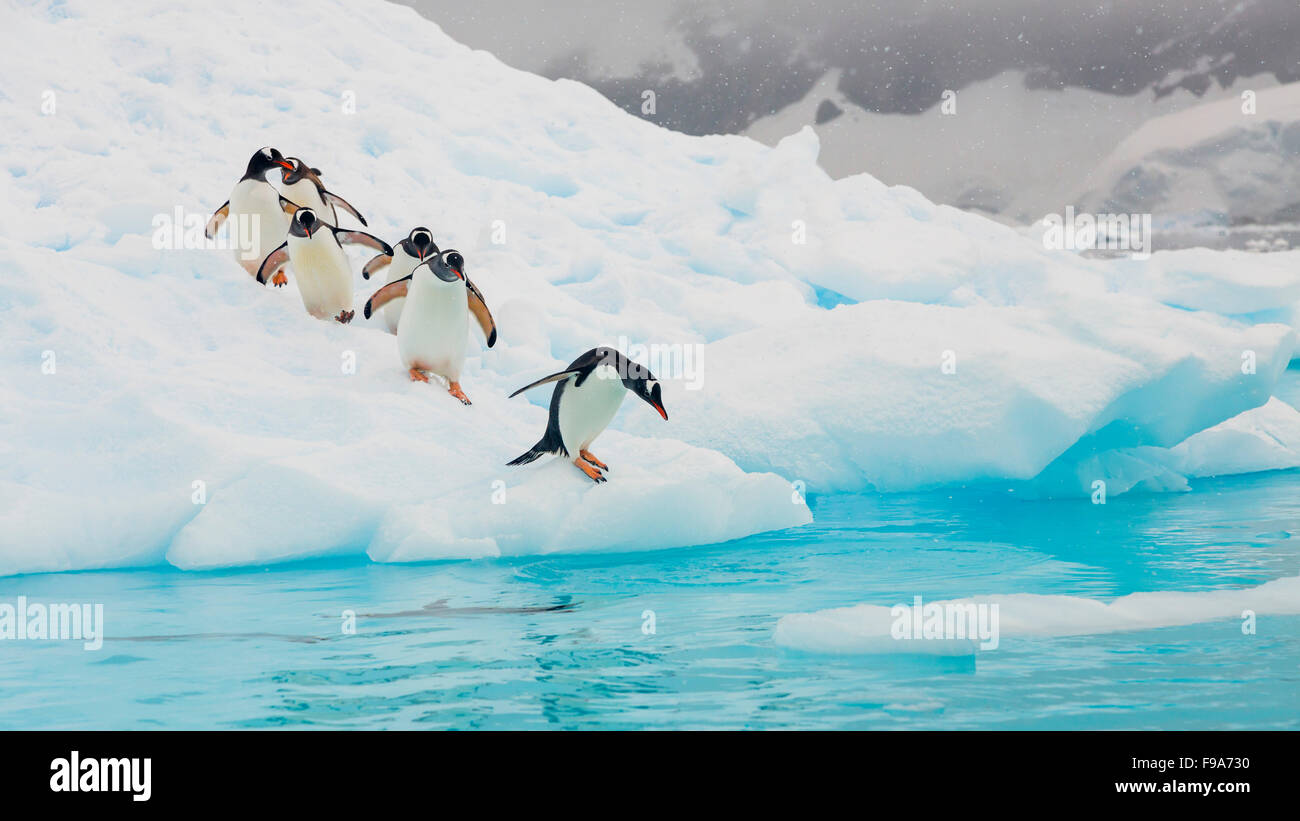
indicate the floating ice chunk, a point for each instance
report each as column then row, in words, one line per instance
column 869, row 628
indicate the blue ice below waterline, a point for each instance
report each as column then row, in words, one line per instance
column 558, row 642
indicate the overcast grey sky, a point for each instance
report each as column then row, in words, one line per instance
column 724, row 66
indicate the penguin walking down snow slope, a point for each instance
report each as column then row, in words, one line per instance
column 588, row 394
column 257, row 211
column 434, row 324
column 302, row 185
column 320, row 267
column 410, row 252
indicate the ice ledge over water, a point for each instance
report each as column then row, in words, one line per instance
column 662, row 494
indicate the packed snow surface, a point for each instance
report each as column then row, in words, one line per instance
column 162, row 406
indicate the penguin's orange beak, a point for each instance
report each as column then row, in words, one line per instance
column 458, row 272
column 287, row 166
column 661, row 410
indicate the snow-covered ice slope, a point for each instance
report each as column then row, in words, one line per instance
column 869, row 628
column 135, row 381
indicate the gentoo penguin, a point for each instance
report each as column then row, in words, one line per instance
column 302, row 185
column 434, row 324
column 408, row 253
column 255, row 200
column 584, row 402
column 320, row 267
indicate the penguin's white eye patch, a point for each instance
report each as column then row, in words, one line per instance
column 266, row 152
column 651, row 384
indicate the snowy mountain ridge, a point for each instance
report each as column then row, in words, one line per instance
column 1233, row 160
column 1002, row 148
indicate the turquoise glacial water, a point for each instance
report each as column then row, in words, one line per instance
column 557, row 642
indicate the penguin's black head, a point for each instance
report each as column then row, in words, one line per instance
column 298, row 170
column 263, row 161
column 305, row 223
column 456, row 263
column 449, row 265
column 641, row 382
column 421, row 242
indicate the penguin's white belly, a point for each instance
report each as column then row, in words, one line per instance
column 256, row 215
column 433, row 330
column 304, row 193
column 588, row 410
column 401, row 266
column 321, row 270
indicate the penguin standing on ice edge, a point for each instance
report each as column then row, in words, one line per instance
column 320, row 267
column 433, row 328
column 588, row 394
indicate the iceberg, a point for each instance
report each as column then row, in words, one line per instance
column 159, row 406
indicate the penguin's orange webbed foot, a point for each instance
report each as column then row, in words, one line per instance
column 418, row 376
column 591, row 471
column 279, row 280
column 453, row 388
column 345, row 316
column 586, row 454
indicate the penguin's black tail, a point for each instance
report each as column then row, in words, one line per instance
column 537, row 451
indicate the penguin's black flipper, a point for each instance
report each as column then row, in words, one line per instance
column 362, row 238
column 386, row 294
column 580, row 367
column 480, row 311
column 273, row 263
column 338, row 202
column 375, row 264
column 218, row 217
column 552, row 378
